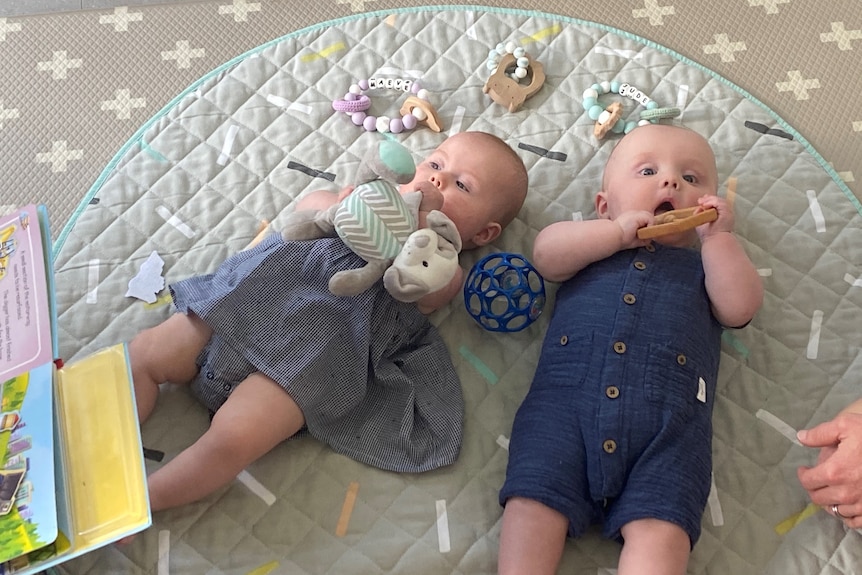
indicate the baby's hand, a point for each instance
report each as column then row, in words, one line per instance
column 432, row 198
column 724, row 222
column 630, row 223
column 345, row 191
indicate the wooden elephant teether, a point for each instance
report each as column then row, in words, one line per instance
column 509, row 92
column 676, row 221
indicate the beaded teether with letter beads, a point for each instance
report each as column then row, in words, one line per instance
column 415, row 109
column 610, row 119
column 676, row 221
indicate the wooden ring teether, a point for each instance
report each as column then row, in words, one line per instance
column 676, row 221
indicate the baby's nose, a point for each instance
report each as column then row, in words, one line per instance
column 671, row 182
column 437, row 180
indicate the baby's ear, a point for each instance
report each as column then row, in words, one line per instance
column 488, row 234
column 601, row 205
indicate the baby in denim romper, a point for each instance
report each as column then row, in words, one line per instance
column 616, row 428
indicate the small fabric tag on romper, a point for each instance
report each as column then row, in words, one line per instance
column 701, row 390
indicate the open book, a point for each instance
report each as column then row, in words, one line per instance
column 72, row 475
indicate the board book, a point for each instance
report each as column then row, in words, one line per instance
column 72, row 475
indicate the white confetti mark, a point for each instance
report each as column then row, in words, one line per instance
column 175, row 221
column 164, row 552
column 777, row 424
column 443, row 526
column 715, row 505
column 814, row 336
column 92, row 281
column 228, row 144
column 256, row 487
column 816, row 212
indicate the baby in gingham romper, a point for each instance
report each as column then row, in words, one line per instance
column 271, row 351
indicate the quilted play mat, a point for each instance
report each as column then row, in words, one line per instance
column 238, row 147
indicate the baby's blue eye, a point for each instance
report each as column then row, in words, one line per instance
column 689, row 179
column 434, row 165
column 461, row 185
column 647, row 172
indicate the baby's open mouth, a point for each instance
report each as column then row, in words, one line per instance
column 664, row 207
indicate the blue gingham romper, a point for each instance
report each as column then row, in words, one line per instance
column 371, row 374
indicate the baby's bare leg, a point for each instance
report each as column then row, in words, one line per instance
column 256, row 417
column 532, row 538
column 653, row 546
column 166, row 352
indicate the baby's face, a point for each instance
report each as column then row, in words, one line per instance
column 470, row 177
column 657, row 168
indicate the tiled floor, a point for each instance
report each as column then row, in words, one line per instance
column 27, row 7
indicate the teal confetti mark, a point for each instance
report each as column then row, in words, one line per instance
column 151, row 151
column 733, row 342
column 480, row 366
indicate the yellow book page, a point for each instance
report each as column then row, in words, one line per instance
column 105, row 476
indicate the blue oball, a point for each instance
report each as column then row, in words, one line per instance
column 504, row 292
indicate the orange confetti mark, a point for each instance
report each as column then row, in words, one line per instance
column 347, row 509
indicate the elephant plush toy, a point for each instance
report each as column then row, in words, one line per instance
column 381, row 226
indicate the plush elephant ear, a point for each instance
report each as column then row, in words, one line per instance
column 348, row 283
column 402, row 287
column 386, row 160
column 445, row 228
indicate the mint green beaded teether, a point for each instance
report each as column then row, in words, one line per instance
column 609, row 119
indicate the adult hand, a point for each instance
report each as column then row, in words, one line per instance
column 835, row 482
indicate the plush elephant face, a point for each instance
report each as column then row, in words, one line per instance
column 427, row 262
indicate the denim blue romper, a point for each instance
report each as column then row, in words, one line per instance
column 617, row 424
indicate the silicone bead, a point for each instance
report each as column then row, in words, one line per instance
column 382, row 124
column 410, row 121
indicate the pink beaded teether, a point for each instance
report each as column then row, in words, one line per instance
column 356, row 103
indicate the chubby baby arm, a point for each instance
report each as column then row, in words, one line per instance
column 732, row 282
column 564, row 248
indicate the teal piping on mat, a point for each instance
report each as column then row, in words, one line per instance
column 58, row 245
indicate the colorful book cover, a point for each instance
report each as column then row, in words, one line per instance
column 26, row 310
column 70, row 480
column 28, row 510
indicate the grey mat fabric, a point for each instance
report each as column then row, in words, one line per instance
column 195, row 183
column 74, row 87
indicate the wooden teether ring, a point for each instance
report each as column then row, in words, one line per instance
column 676, row 221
